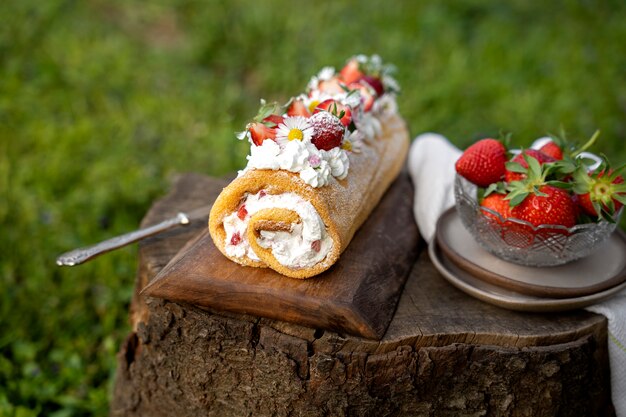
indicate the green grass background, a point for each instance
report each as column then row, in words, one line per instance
column 103, row 101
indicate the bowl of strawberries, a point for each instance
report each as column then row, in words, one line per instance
column 538, row 207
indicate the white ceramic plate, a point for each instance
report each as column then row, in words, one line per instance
column 601, row 270
column 505, row 297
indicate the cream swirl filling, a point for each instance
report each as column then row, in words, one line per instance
column 304, row 245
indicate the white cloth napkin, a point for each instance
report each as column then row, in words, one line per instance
column 431, row 166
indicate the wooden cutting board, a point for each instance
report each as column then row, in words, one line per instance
column 358, row 295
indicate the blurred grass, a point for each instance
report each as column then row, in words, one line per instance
column 101, row 102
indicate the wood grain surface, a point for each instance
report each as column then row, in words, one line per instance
column 358, row 295
column 444, row 352
column 430, row 311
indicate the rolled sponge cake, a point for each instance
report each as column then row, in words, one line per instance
column 343, row 205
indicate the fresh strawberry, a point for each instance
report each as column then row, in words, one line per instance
column 497, row 203
column 351, row 72
column 510, row 176
column 328, row 130
column 273, row 120
column 336, row 109
column 260, row 132
column 235, row 239
column 538, row 201
column 368, row 95
column 554, row 207
column 599, row 193
column 553, row 150
column 316, row 245
column 298, row 108
column 375, row 83
column 242, row 212
column 483, row 162
column 513, row 233
column 332, row 86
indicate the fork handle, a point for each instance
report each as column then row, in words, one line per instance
column 80, row 255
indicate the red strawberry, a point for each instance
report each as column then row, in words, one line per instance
column 332, row 86
column 603, row 190
column 328, row 130
column 555, row 208
column 351, row 72
column 273, row 119
column 335, row 108
column 553, row 150
column 510, row 176
column 483, row 162
column 514, row 234
column 497, row 203
column 297, row 108
column 242, row 212
column 375, row 83
column 259, row 132
column 235, row 239
column 368, row 95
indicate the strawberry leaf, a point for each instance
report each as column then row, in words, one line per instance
column 580, row 188
column 497, row 187
column 561, row 184
column 564, row 166
column 621, row 198
column 505, row 138
column 533, row 165
column 537, row 192
column 268, row 109
column 515, row 167
column 597, row 207
column 516, row 199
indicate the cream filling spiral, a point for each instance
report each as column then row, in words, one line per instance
column 302, row 244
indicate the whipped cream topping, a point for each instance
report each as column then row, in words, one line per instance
column 296, row 153
column 306, row 244
column 315, row 166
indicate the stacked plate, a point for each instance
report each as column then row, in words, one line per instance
column 477, row 272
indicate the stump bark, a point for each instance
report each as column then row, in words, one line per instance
column 444, row 353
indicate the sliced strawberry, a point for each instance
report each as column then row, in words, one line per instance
column 351, row 72
column 242, row 212
column 273, row 119
column 259, row 132
column 332, row 86
column 328, row 130
column 336, row 109
column 510, row 176
column 235, row 239
column 483, row 162
column 298, row 108
column 368, row 95
column 553, row 150
column 375, row 83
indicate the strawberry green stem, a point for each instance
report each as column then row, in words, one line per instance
column 587, row 145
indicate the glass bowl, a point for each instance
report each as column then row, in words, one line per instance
column 520, row 242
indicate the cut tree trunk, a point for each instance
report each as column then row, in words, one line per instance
column 444, row 353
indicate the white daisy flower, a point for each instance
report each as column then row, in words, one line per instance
column 325, row 73
column 293, row 128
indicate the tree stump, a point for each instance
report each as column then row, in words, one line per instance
column 444, row 353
